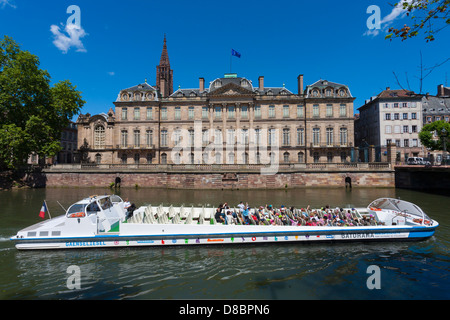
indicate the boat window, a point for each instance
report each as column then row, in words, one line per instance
column 77, row 207
column 93, row 207
column 115, row 199
column 105, row 203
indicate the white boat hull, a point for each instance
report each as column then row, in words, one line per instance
column 185, row 235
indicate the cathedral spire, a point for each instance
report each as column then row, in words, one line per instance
column 164, row 55
column 164, row 75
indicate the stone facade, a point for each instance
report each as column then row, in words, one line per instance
column 229, row 121
column 200, row 180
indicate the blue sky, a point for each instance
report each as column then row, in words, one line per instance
column 279, row 40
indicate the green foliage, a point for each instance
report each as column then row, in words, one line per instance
column 429, row 16
column 432, row 137
column 32, row 113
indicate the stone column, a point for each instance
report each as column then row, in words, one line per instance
column 391, row 153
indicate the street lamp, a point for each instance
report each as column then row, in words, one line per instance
column 444, row 137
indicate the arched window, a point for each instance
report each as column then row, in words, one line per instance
column 98, row 158
column 286, row 157
column 301, row 157
column 99, row 137
column 163, row 158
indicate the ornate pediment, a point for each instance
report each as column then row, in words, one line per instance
column 231, row 89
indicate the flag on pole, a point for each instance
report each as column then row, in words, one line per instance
column 43, row 210
column 235, row 53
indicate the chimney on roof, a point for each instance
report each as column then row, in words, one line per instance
column 261, row 83
column 202, row 84
column 440, row 92
column 300, row 84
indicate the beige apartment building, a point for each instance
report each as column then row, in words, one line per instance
column 229, row 120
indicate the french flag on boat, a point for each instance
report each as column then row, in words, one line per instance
column 43, row 210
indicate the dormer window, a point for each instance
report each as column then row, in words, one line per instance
column 217, row 84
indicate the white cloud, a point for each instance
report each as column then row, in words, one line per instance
column 73, row 38
column 111, row 73
column 4, row 3
column 397, row 13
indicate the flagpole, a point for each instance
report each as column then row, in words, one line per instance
column 47, row 209
column 231, row 59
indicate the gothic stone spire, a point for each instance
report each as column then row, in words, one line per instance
column 164, row 75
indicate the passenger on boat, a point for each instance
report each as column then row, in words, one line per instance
column 130, row 211
column 126, row 204
column 246, row 214
column 220, row 216
column 229, row 218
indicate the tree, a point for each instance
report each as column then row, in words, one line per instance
column 430, row 16
column 32, row 113
column 432, row 135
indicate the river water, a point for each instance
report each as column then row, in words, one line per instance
column 407, row 270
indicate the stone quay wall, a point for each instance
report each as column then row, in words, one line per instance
column 222, row 176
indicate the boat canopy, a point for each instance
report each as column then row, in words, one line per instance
column 398, row 205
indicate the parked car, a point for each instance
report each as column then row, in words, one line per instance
column 418, row 161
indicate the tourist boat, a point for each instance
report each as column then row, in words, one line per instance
column 102, row 221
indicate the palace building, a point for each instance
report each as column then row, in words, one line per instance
column 231, row 120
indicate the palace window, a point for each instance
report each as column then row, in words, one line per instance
column 137, row 114
column 164, row 113
column 191, row 137
column 257, row 137
column 163, row 138
column 329, row 157
column 286, row 137
column 300, row 137
column 149, row 114
column 257, row 111
column 271, row 111
column 124, row 113
column 315, row 110
column 99, row 137
column 149, row 138
column 218, row 112
column 218, row 137
column 330, row 133
column 244, row 112
column 316, row 157
column 343, row 110
column 231, row 112
column 272, row 139
column 301, row 157
column 316, row 137
column 286, row 111
column 191, row 113
column 244, row 137
column 343, row 136
column 205, row 112
column 137, row 138
column 177, row 113
column 124, row 138
column 329, row 110
column 286, row 157
column 300, row 111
